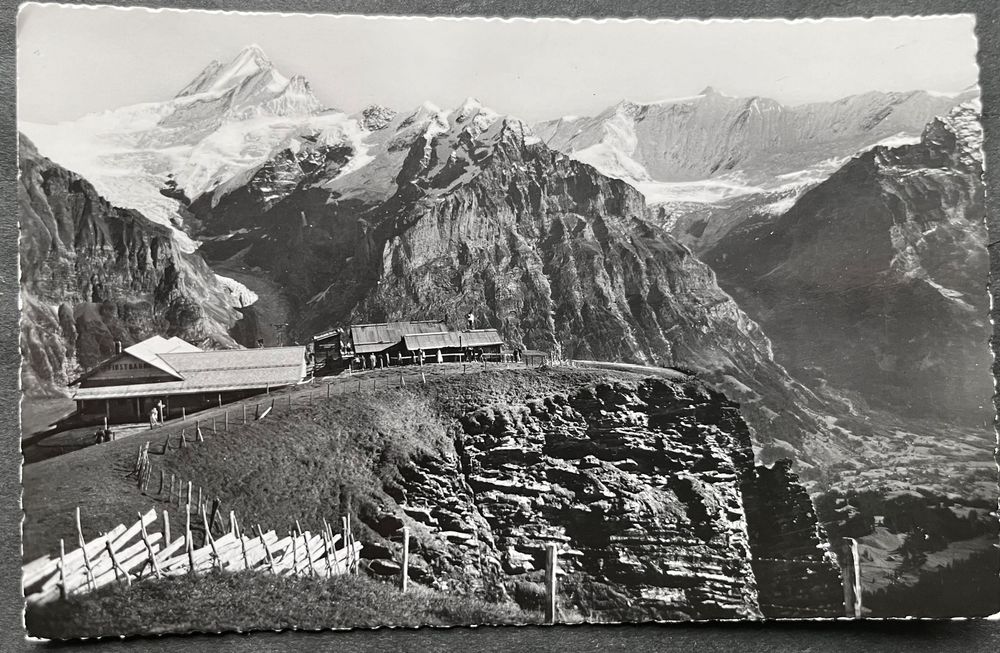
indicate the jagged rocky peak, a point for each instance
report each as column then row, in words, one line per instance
column 247, row 86
column 963, row 124
column 376, row 117
column 250, row 63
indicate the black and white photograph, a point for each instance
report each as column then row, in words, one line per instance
column 349, row 321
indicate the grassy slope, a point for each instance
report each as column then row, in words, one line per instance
column 316, row 461
column 246, row 601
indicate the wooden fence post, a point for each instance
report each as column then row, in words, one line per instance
column 62, row 569
column 215, row 511
column 190, row 491
column 551, row 561
column 166, row 527
column 183, row 414
column 227, row 421
column 160, row 491
column 405, row 572
column 187, row 540
column 267, row 551
column 83, row 546
column 244, row 413
column 851, row 572
column 423, row 378
column 149, row 548
column 114, row 564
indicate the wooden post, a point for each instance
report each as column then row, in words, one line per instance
column 114, row 564
column 171, row 488
column 183, row 438
column 83, row 546
column 62, row 569
column 197, row 430
column 199, row 496
column 220, row 400
column 211, row 542
column 851, row 569
column 374, row 381
column 227, row 422
column 244, row 413
column 423, row 378
column 190, row 492
column 184, row 415
column 328, row 390
column 166, row 527
column 551, row 561
column 160, row 491
column 187, row 540
column 234, row 528
column 405, row 573
column 267, row 551
column 214, row 429
column 215, row 511
column 149, row 548
column 359, row 386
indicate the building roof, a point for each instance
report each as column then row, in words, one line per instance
column 149, row 351
column 452, row 339
column 372, row 338
column 215, row 371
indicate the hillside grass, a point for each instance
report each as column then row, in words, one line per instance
column 324, row 459
column 244, row 601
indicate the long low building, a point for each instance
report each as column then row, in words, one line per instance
column 178, row 376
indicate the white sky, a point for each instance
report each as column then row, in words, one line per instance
column 77, row 60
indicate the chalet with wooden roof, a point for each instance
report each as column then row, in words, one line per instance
column 177, row 375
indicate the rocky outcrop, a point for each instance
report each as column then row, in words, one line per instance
column 797, row 574
column 92, row 274
column 647, row 489
column 873, row 280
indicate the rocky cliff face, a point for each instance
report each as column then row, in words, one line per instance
column 92, row 273
column 647, row 489
column 481, row 217
column 873, row 281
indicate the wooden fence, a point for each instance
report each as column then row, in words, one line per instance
column 127, row 554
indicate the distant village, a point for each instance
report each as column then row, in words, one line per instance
column 162, row 378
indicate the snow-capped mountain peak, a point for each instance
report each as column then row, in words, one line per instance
column 249, row 68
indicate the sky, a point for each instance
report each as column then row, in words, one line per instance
column 78, row 60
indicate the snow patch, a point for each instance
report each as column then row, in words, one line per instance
column 240, row 295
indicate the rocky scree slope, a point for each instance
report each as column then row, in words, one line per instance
column 874, row 280
column 92, row 273
column 482, row 217
column 648, row 490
